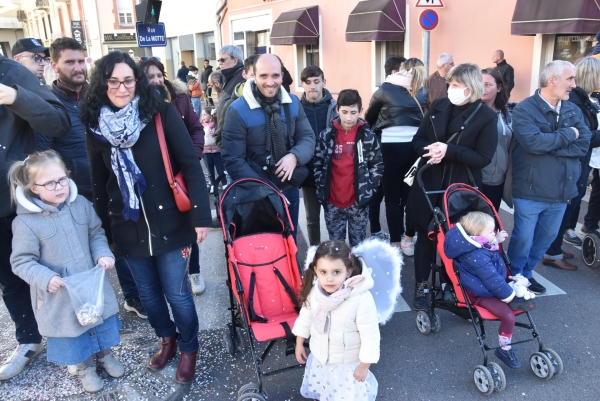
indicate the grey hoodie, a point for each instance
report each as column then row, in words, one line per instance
column 495, row 172
column 48, row 242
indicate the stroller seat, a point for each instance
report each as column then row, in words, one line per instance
column 269, row 284
column 487, row 315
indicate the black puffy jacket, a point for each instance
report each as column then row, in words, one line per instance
column 392, row 106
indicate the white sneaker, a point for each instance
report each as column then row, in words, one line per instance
column 112, row 366
column 19, row 359
column 90, row 380
column 408, row 248
column 198, row 285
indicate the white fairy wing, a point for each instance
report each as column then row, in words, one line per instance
column 386, row 263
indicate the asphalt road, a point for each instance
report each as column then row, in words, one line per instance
column 438, row 366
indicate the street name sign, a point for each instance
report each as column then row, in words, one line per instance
column 151, row 35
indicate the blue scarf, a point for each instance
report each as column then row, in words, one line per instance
column 121, row 129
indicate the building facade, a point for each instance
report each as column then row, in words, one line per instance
column 11, row 27
column 350, row 40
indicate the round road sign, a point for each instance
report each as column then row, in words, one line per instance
column 428, row 20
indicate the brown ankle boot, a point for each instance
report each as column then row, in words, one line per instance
column 168, row 348
column 187, row 367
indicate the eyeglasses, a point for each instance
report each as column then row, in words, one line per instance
column 146, row 58
column 51, row 185
column 116, row 84
column 222, row 60
column 37, row 58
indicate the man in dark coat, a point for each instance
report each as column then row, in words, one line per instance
column 204, row 76
column 256, row 140
column 505, row 69
column 25, row 106
column 183, row 72
column 550, row 139
column 231, row 62
column 68, row 62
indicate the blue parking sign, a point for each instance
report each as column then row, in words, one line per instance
column 151, row 35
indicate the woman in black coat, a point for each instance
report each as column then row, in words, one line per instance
column 133, row 198
column 444, row 141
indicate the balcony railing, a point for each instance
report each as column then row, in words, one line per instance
column 21, row 15
column 42, row 4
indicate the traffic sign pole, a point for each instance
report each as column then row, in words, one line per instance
column 425, row 46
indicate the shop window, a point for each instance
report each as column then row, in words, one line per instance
column 305, row 55
column 383, row 51
column 572, row 47
column 210, row 52
column 256, row 42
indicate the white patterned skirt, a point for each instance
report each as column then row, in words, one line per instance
column 336, row 382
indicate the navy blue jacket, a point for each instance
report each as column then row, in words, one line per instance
column 545, row 147
column 320, row 115
column 244, row 150
column 482, row 271
column 183, row 73
column 71, row 147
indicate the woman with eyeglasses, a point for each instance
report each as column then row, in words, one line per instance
column 136, row 204
column 155, row 71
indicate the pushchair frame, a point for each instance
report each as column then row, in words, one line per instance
column 240, row 333
column 445, row 278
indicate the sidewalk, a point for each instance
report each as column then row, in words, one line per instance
column 42, row 380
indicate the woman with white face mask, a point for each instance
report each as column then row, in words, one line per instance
column 458, row 133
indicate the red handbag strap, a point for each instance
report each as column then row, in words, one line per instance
column 163, row 149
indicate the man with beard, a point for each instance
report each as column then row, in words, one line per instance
column 68, row 62
column 267, row 135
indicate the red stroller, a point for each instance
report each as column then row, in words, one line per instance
column 447, row 293
column 263, row 273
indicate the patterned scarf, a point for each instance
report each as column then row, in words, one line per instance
column 122, row 129
column 328, row 302
column 275, row 140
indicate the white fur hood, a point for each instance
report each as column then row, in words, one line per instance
column 26, row 204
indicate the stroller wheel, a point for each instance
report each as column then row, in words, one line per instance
column 248, row 389
column 228, row 343
column 590, row 250
column 436, row 323
column 557, row 363
column 252, row 397
column 498, row 376
column 483, row 380
column 242, row 339
column 541, row 365
column 423, row 322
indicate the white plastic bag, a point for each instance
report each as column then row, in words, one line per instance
column 86, row 291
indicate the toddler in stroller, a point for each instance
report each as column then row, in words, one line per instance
column 473, row 244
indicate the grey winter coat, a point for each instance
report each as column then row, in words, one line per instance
column 545, row 161
column 495, row 172
column 48, row 242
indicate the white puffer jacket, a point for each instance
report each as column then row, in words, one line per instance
column 353, row 334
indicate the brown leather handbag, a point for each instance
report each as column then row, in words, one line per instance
column 176, row 183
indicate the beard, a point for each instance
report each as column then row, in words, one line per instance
column 73, row 80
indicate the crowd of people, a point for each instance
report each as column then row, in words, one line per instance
column 85, row 155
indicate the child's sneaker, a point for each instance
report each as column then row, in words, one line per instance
column 508, row 357
column 408, row 248
column 112, row 366
column 522, row 304
column 90, row 380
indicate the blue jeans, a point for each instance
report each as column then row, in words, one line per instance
column 161, row 279
column 536, row 225
column 213, row 161
column 196, row 104
column 293, row 196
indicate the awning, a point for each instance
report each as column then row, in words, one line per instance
column 555, row 17
column 297, row 27
column 377, row 20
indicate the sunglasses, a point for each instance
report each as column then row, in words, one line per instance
column 222, row 60
column 146, row 58
column 37, row 58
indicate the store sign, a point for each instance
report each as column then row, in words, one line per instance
column 572, row 47
column 119, row 37
column 77, row 31
column 151, row 35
